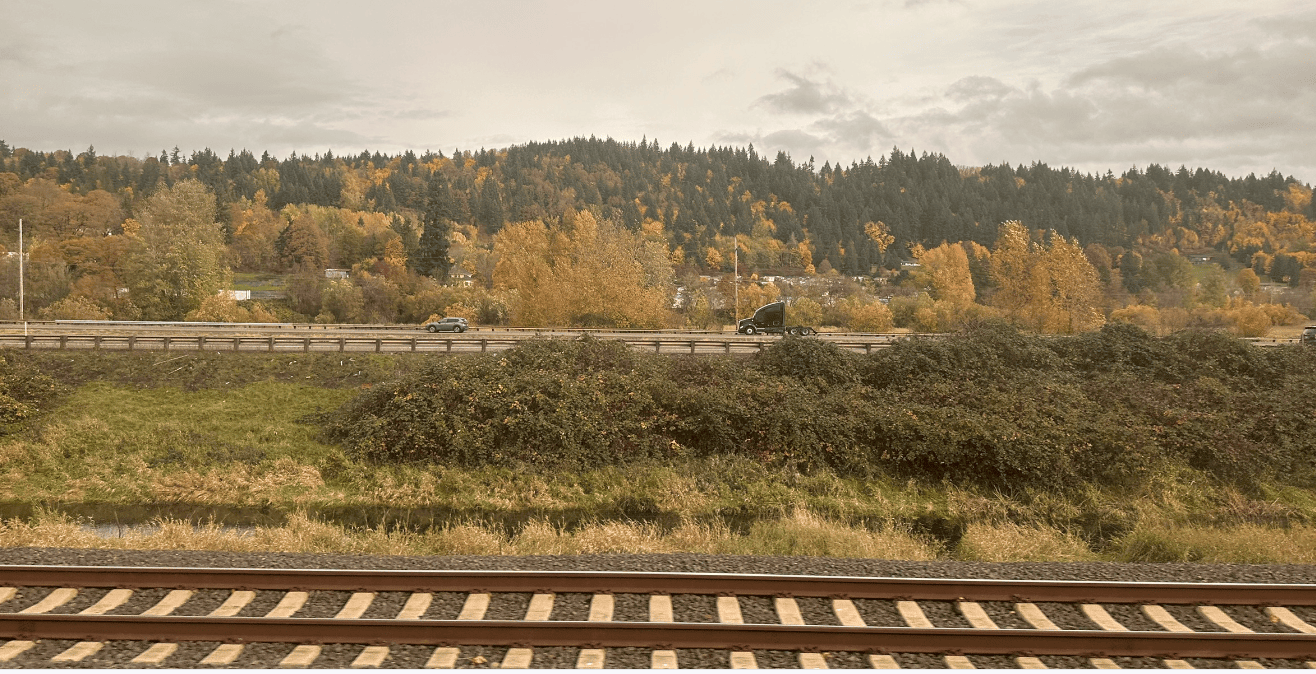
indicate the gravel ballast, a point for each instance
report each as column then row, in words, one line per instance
column 687, row 608
column 1097, row 571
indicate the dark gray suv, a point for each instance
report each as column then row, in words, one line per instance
column 1308, row 336
column 449, row 324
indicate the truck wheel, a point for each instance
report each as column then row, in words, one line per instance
column 749, row 330
column 794, row 332
column 806, row 331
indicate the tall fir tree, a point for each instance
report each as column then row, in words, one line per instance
column 432, row 252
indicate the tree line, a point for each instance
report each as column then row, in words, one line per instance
column 402, row 222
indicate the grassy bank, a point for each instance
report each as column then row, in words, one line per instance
column 206, row 442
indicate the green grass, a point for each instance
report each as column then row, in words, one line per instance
column 246, row 449
column 111, row 445
column 200, row 440
column 259, row 281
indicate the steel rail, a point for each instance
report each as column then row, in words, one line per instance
column 660, row 635
column 932, row 589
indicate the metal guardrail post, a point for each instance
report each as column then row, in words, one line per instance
column 201, row 343
column 27, row 341
column 449, row 341
column 379, row 345
column 657, row 346
column 484, row 346
column 237, row 344
column 167, row 339
column 692, row 347
column 306, row 344
column 271, row 343
column 96, row 342
column 868, row 348
column 413, row 344
column 64, row 342
column 342, row 343
column 726, row 347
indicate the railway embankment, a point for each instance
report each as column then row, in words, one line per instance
column 991, row 445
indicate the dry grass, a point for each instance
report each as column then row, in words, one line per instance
column 799, row 534
column 1006, row 542
column 1242, row 544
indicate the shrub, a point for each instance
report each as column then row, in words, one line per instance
column 989, row 407
column 808, row 359
column 24, row 393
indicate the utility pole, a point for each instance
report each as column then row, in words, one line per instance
column 735, row 255
column 22, row 315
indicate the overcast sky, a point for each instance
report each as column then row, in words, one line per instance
column 1096, row 85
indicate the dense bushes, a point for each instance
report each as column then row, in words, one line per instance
column 23, row 393
column 990, row 407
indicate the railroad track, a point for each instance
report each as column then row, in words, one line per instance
column 187, row 617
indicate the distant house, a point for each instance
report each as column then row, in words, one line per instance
column 239, row 295
column 335, row 273
column 461, row 277
column 909, row 264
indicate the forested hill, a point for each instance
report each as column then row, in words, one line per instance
column 699, row 194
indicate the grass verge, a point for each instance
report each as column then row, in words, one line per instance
column 212, row 452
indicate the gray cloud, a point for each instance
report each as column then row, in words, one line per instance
column 1249, row 106
column 804, row 96
column 236, row 87
column 857, row 130
column 797, row 143
column 977, row 87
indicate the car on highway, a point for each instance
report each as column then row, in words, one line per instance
column 449, row 324
column 1308, row 336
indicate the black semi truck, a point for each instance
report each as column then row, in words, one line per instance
column 771, row 319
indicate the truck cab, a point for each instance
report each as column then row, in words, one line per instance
column 771, row 319
column 768, row 318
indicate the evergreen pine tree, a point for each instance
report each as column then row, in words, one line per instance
column 432, row 255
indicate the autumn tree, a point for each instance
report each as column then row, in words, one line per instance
column 177, row 256
column 302, row 244
column 1070, row 289
column 222, row 308
column 1248, row 281
column 256, row 232
column 583, row 273
column 1211, row 287
column 1049, row 288
column 945, row 270
column 341, row 302
column 74, row 308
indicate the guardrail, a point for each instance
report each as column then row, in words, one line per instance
column 408, row 326
column 416, row 344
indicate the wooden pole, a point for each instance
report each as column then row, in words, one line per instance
column 22, row 314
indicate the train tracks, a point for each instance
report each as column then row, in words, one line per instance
column 185, row 617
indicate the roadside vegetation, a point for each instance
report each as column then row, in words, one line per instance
column 990, row 445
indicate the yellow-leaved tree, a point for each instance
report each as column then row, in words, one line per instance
column 945, row 269
column 1048, row 288
column 583, row 273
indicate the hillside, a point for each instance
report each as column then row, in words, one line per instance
column 1157, row 237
